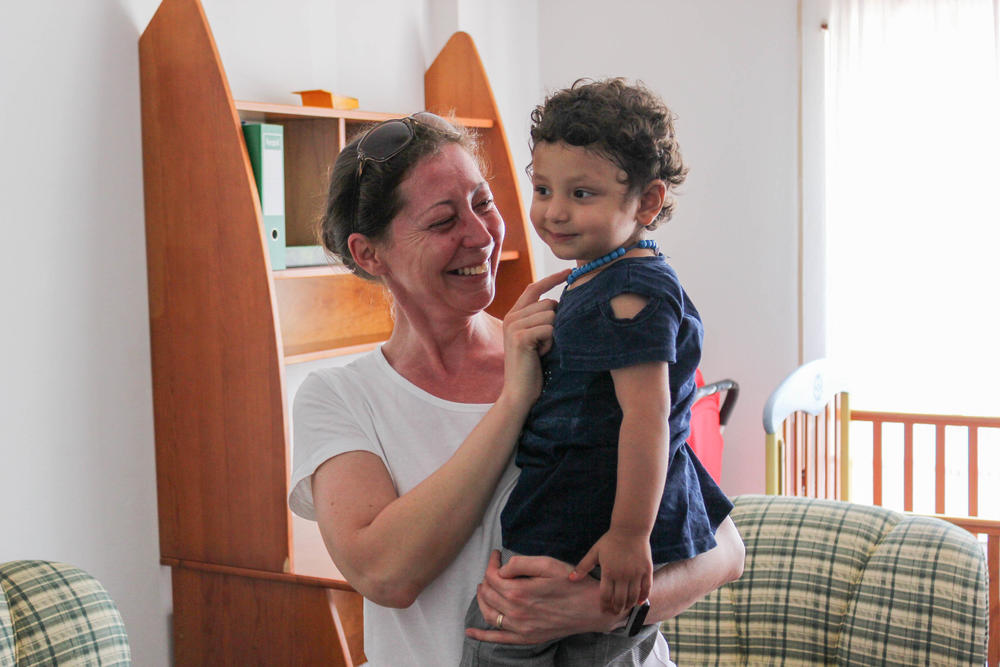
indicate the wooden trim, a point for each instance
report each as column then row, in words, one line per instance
column 265, row 112
column 348, row 621
column 332, row 352
column 310, row 272
column 973, row 524
column 285, row 577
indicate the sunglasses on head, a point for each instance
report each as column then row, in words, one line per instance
column 388, row 139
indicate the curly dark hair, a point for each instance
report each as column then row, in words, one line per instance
column 369, row 206
column 626, row 123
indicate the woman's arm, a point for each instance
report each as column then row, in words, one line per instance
column 539, row 603
column 389, row 547
column 679, row 585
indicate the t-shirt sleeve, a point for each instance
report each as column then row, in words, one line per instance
column 601, row 341
column 324, row 425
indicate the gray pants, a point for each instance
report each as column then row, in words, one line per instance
column 589, row 649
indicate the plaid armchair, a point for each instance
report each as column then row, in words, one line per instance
column 56, row 614
column 834, row 583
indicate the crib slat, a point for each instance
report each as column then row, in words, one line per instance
column 973, row 471
column 908, row 467
column 877, row 463
column 939, row 468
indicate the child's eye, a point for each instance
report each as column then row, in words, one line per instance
column 580, row 193
column 541, row 190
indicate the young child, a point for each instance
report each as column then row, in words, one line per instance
column 607, row 480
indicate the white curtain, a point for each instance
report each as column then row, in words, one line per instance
column 913, row 203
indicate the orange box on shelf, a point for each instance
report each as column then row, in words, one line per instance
column 324, row 98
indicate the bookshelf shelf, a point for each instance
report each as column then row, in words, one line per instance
column 309, row 272
column 269, row 113
column 248, row 580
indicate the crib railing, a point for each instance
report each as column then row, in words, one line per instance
column 987, row 527
column 941, row 423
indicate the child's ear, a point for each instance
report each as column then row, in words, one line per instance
column 365, row 254
column 651, row 201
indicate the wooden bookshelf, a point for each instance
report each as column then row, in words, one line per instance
column 252, row 585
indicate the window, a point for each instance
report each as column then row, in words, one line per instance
column 911, row 109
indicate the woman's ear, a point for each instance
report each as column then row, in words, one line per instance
column 365, row 254
column 651, row 201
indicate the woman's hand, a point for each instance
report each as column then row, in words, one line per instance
column 527, row 336
column 539, row 602
column 546, row 605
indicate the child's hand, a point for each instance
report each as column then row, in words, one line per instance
column 626, row 569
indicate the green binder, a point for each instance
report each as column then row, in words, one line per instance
column 266, row 145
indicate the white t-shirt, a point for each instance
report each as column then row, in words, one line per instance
column 368, row 406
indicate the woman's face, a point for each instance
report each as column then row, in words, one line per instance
column 442, row 250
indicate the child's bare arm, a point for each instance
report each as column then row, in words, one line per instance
column 623, row 552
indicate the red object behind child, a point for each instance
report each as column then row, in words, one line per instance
column 706, row 430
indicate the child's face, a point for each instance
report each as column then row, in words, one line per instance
column 580, row 206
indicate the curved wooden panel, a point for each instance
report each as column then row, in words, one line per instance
column 217, row 377
column 456, row 82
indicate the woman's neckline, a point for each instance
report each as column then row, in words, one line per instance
column 420, row 367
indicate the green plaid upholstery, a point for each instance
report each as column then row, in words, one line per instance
column 57, row 614
column 6, row 632
column 834, row 583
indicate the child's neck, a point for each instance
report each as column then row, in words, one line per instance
column 610, row 258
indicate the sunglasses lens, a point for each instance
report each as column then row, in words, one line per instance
column 427, row 119
column 384, row 141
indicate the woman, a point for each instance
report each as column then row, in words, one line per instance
column 403, row 456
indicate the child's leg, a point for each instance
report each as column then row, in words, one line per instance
column 476, row 653
column 614, row 649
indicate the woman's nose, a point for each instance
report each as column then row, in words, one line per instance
column 477, row 233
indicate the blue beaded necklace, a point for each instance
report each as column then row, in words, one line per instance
column 607, row 259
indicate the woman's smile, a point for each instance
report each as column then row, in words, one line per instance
column 473, row 270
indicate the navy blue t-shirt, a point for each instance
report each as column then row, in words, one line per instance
column 568, row 451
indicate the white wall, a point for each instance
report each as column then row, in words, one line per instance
column 729, row 70
column 76, row 452
column 76, row 432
